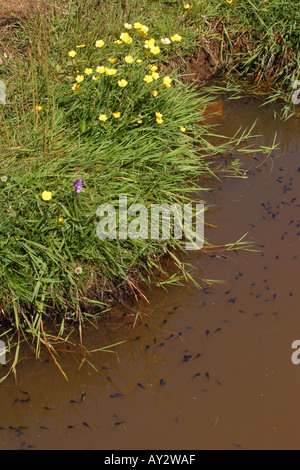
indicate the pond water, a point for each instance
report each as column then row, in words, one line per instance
column 201, row 369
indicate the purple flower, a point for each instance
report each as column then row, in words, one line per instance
column 78, row 185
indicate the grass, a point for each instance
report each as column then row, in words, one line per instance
column 52, row 264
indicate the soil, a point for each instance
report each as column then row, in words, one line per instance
column 12, row 8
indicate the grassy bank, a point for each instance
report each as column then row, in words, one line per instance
column 92, row 114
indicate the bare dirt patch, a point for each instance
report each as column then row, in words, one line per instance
column 14, row 11
column 12, row 8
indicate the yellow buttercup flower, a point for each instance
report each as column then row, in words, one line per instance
column 158, row 115
column 183, row 129
column 176, row 37
column 80, row 46
column 126, row 38
column 99, row 43
column 155, row 75
column 72, row 53
column 76, row 87
column 167, row 81
column 112, row 60
column 148, row 78
column 100, row 69
column 187, row 6
column 128, row 26
column 79, row 78
column 117, row 114
column 143, row 31
column 88, row 71
column 153, row 68
column 110, row 71
column 165, row 41
column 61, row 220
column 129, row 59
column 46, row 195
column 149, row 43
column 118, row 41
column 155, row 50
column 122, row 83
column 154, row 92
column 159, row 120
column 137, row 25
column 39, row 108
column 139, row 121
column 229, row 1
column 139, row 61
column 102, row 117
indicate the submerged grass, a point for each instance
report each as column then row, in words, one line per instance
column 88, row 103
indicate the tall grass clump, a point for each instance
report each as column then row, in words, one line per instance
column 254, row 43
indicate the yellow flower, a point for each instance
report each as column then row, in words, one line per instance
column 139, row 121
column 149, row 43
column 76, row 87
column 167, row 81
column 72, row 53
column 99, row 43
column 137, row 25
column 95, row 78
column 158, row 115
column 129, row 59
column 102, row 117
column 154, row 92
column 187, row 5
column 183, row 129
column 165, row 41
column 88, row 71
column 112, row 60
column 159, row 120
column 118, row 41
column 100, row 69
column 39, row 108
column 176, row 37
column 155, row 50
column 139, row 61
column 61, row 220
column 144, row 31
column 153, row 68
column 148, row 78
column 117, row 114
column 110, row 71
column 155, row 75
column 122, row 83
column 79, row 78
column 46, row 195
column 80, row 46
column 128, row 26
column 229, row 1
column 126, row 38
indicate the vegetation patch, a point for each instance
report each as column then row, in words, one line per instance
column 98, row 106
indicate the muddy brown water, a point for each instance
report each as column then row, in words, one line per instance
column 206, row 369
